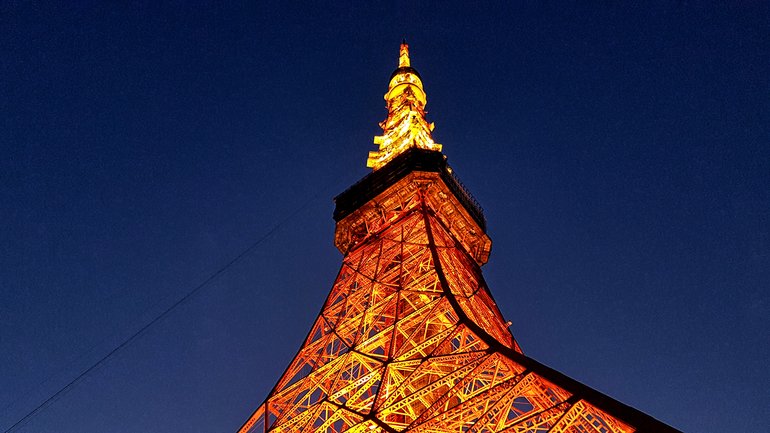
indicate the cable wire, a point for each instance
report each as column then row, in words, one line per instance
column 138, row 334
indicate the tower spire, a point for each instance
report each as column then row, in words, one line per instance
column 405, row 126
column 403, row 55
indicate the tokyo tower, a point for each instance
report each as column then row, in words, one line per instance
column 410, row 338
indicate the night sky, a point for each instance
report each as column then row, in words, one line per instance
column 620, row 153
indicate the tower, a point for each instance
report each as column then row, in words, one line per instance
column 410, row 338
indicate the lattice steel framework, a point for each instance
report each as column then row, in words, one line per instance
column 410, row 339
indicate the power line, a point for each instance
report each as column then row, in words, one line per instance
column 138, row 334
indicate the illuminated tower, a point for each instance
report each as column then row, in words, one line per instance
column 410, row 339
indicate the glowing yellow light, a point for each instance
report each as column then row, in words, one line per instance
column 405, row 126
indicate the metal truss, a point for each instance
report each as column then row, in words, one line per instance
column 410, row 340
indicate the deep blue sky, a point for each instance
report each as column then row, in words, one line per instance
column 620, row 152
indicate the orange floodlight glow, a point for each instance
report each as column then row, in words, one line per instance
column 410, row 339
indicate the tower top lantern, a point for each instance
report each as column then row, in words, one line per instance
column 405, row 126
